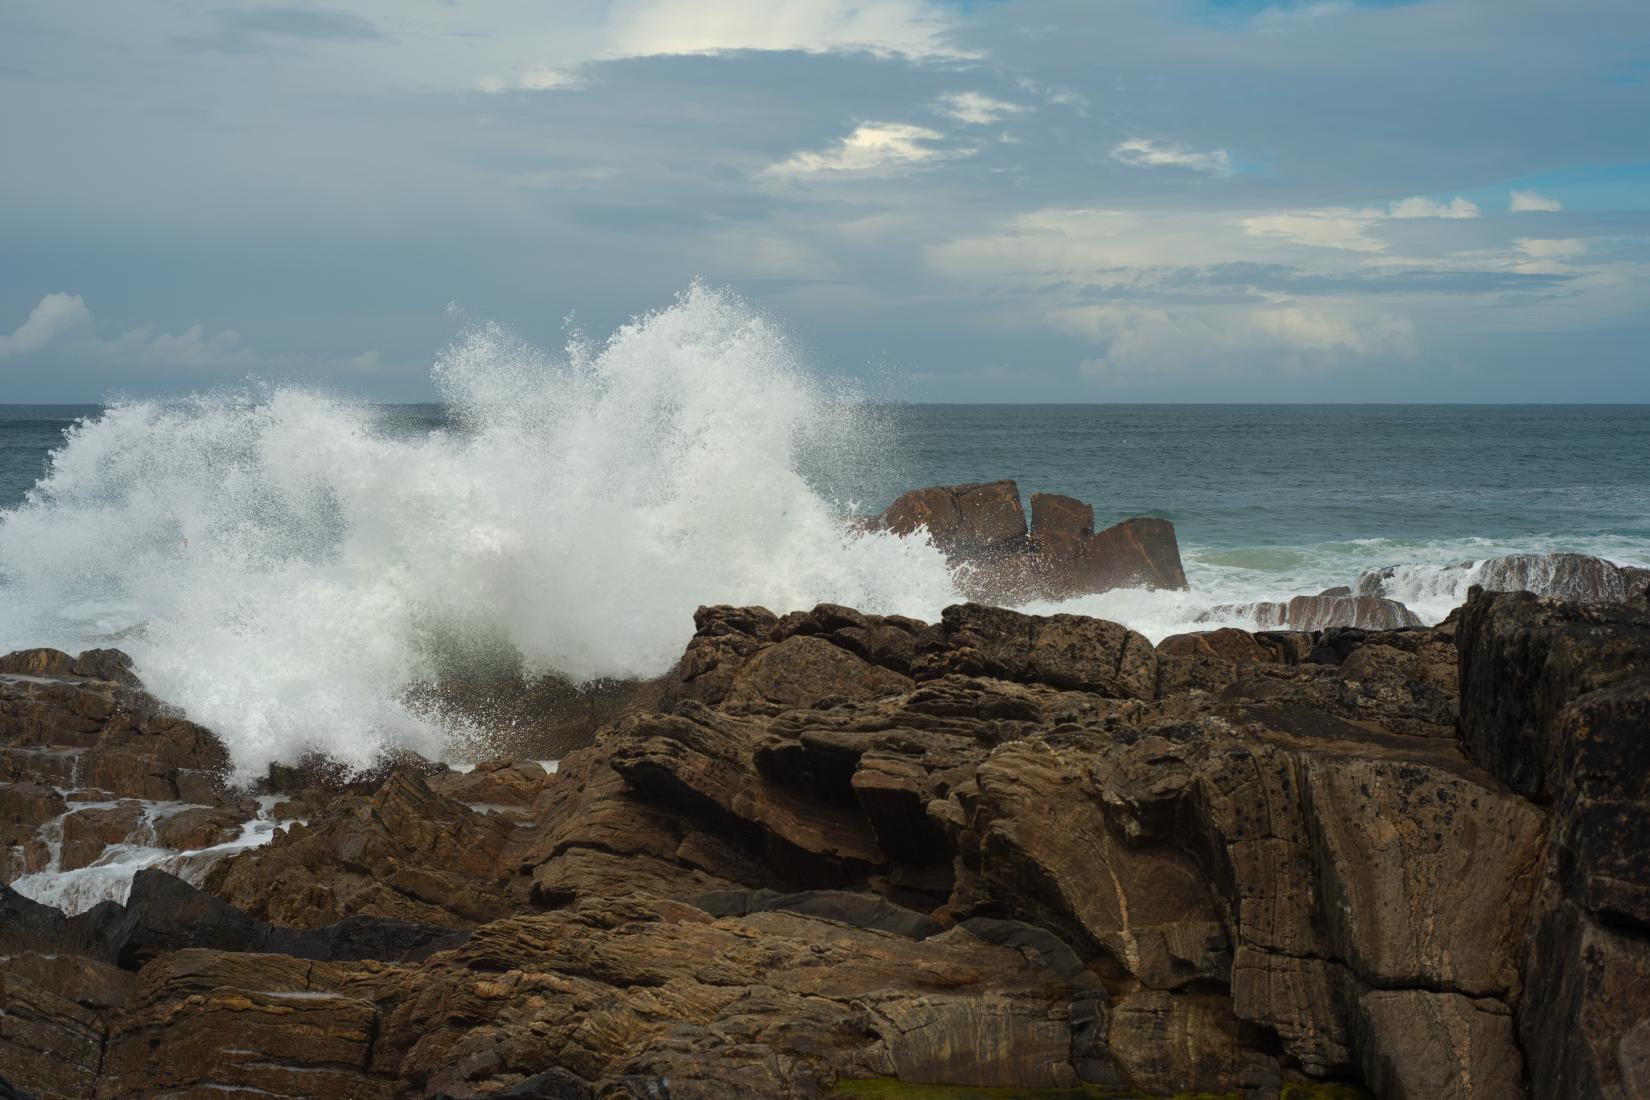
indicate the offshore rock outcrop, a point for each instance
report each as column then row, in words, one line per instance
column 983, row 528
column 996, row 850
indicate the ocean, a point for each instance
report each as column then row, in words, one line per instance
column 284, row 564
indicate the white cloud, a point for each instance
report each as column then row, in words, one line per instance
column 1523, row 202
column 1349, row 229
column 1142, row 342
column 1422, row 207
column 873, row 147
column 55, row 316
column 535, row 78
column 1344, row 229
column 1550, row 248
column 650, row 28
column 1155, row 154
column 976, row 109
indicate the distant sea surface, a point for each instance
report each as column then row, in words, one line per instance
column 1284, row 489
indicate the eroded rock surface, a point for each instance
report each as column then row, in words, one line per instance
column 996, row 850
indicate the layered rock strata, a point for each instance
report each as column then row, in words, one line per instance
column 996, row 850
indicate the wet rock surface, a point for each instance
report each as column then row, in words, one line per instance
column 998, row 850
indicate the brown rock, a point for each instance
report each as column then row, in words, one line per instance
column 37, row 662
column 1051, row 512
column 55, row 1022
column 962, row 520
column 1420, row 1045
column 263, row 1024
column 87, row 832
column 1062, row 651
column 406, row 853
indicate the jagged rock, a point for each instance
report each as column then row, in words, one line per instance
column 1001, row 850
column 406, row 853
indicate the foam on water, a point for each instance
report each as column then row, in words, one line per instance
column 284, row 571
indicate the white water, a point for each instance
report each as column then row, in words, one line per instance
column 109, row 876
column 290, row 571
column 284, row 570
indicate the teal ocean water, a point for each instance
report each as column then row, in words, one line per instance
column 286, row 564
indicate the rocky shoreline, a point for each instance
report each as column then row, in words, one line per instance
column 832, row 853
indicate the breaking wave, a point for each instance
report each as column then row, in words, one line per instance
column 284, row 570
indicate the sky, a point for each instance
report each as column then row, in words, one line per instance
column 1000, row 200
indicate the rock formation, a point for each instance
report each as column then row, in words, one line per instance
column 982, row 527
column 995, row 850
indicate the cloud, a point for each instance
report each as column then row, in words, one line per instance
column 1422, row 207
column 873, row 148
column 976, row 109
column 1524, row 202
column 61, row 329
column 1347, row 228
column 56, row 315
column 1550, row 249
column 536, row 78
column 906, row 28
column 1142, row 153
column 1145, row 343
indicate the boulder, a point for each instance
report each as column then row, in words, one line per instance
column 1053, row 514
column 982, row 528
column 962, row 520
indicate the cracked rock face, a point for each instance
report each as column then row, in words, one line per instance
column 994, row 851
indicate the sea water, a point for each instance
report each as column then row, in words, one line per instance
column 285, row 563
